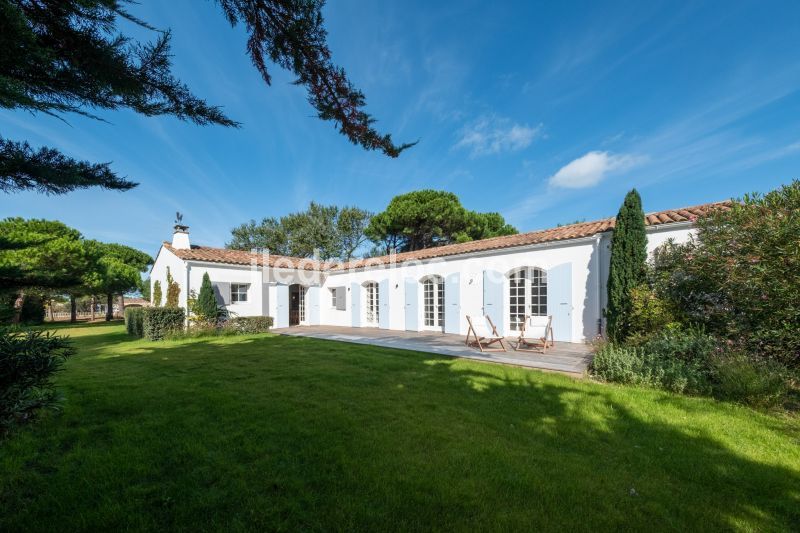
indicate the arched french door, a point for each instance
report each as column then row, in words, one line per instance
column 527, row 294
column 433, row 303
column 371, row 304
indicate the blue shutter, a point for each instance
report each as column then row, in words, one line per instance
column 282, row 318
column 452, row 303
column 383, row 301
column 412, row 312
column 355, row 304
column 312, row 305
column 493, row 297
column 559, row 301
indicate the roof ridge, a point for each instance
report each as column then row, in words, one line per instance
column 557, row 233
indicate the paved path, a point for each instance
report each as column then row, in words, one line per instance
column 566, row 357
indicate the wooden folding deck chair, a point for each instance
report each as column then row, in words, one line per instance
column 484, row 336
column 533, row 337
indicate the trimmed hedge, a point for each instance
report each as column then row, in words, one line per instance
column 134, row 321
column 249, row 324
column 159, row 322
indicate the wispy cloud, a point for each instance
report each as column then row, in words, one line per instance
column 491, row 134
column 591, row 168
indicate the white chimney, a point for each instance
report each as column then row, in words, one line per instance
column 180, row 239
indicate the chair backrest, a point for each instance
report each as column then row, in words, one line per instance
column 537, row 326
column 481, row 326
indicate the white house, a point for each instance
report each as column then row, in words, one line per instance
column 560, row 272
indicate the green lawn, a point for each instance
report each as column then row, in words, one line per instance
column 279, row 433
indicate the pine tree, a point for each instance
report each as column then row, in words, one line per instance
column 206, row 306
column 157, row 293
column 68, row 56
column 628, row 257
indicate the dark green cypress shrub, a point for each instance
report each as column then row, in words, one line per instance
column 206, row 307
column 134, row 318
column 628, row 265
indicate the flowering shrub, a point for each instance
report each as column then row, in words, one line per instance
column 740, row 277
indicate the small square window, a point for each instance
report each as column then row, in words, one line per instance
column 239, row 292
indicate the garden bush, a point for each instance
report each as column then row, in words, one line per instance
column 740, row 277
column 249, row 324
column 134, row 321
column 675, row 358
column 753, row 381
column 160, row 322
column 635, row 365
column 28, row 361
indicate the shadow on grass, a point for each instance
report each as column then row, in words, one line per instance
column 339, row 434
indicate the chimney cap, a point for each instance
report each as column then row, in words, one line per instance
column 181, row 228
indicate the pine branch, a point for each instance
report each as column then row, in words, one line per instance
column 290, row 33
column 48, row 171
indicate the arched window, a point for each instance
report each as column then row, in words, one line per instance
column 433, row 302
column 527, row 292
column 372, row 304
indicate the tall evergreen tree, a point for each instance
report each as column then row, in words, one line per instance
column 628, row 258
column 206, row 306
column 157, row 295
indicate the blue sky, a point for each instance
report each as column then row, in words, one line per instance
column 546, row 113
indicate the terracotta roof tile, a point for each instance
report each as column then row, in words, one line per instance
column 572, row 231
column 243, row 257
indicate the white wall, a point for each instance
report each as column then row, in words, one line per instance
column 589, row 259
column 255, row 305
column 177, row 269
column 579, row 253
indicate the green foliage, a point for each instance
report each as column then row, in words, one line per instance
column 144, row 288
column 157, row 296
column 693, row 361
column 628, row 261
column 115, row 269
column 173, row 291
column 248, row 324
column 134, row 321
column 427, row 218
column 673, row 360
column 159, row 322
column 48, row 72
column 290, row 33
column 40, row 253
column 649, row 313
column 28, row 362
column 330, row 231
column 245, row 325
column 754, row 381
column 740, row 277
column 206, row 308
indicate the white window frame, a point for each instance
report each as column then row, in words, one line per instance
column 372, row 303
column 333, row 297
column 238, row 293
column 527, row 295
column 433, row 302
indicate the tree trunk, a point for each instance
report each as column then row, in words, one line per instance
column 92, row 305
column 50, row 309
column 121, row 305
column 109, row 306
column 18, row 302
column 73, row 309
